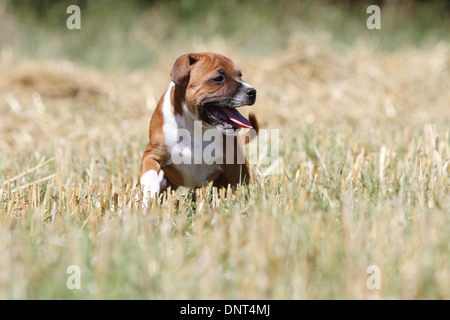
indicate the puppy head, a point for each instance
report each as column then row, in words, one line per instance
column 213, row 89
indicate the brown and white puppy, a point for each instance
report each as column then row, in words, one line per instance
column 205, row 90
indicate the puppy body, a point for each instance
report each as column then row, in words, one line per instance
column 201, row 100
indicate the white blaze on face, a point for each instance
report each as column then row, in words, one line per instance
column 245, row 84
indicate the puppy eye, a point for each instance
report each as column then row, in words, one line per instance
column 218, row 79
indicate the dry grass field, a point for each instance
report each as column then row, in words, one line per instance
column 364, row 173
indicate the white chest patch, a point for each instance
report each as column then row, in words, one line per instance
column 196, row 152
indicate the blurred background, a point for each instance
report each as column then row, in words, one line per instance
column 312, row 62
column 132, row 34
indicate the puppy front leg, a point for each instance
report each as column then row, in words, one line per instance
column 233, row 175
column 152, row 178
column 238, row 171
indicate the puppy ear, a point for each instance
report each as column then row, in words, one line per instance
column 181, row 69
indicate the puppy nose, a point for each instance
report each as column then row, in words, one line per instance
column 250, row 92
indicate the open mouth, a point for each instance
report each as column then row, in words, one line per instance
column 226, row 117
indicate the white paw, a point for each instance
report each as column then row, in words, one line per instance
column 151, row 181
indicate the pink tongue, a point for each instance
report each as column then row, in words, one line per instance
column 235, row 116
